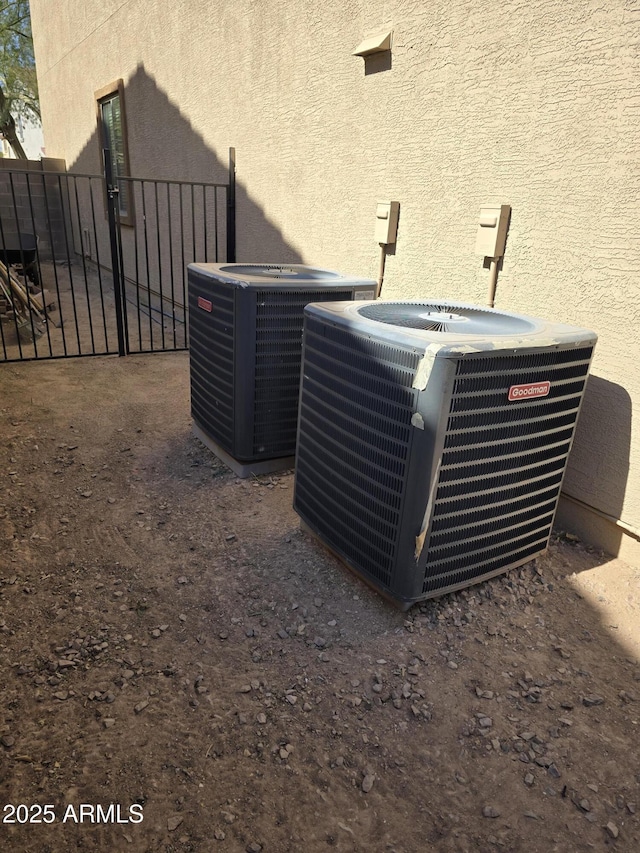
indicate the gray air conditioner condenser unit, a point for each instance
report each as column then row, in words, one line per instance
column 245, row 344
column 433, row 438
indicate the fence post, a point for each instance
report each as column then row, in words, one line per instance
column 112, row 212
column 231, row 208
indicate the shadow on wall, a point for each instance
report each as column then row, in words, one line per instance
column 163, row 145
column 599, row 464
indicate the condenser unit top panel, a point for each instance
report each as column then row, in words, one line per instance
column 448, row 328
column 276, row 276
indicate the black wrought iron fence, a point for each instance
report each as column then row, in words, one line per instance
column 83, row 274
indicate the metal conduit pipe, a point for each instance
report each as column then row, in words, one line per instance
column 493, row 280
column 383, row 258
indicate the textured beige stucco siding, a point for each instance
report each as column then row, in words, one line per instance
column 535, row 104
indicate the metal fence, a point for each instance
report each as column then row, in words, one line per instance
column 79, row 277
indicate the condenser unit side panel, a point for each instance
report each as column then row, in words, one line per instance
column 502, row 463
column 211, row 356
column 277, row 351
column 354, row 444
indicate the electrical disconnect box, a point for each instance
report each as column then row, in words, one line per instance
column 387, row 221
column 492, row 231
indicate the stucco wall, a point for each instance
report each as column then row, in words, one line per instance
column 535, row 104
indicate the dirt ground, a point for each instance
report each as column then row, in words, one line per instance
column 174, row 650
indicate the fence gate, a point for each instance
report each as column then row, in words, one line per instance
column 90, row 265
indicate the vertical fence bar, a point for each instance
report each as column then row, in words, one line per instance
column 11, row 300
column 136, row 262
column 38, row 266
column 205, row 251
column 184, row 280
column 204, row 223
column 123, row 280
column 66, row 244
column 84, row 267
column 193, row 224
column 112, row 202
column 215, row 222
column 146, row 255
column 28, row 306
column 98, row 265
column 4, row 345
column 173, row 291
column 155, row 187
column 231, row 208
column 53, row 260
column 7, row 296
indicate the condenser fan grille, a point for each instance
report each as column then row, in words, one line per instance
column 445, row 318
column 502, row 465
column 279, row 321
column 274, row 272
column 211, row 358
column 355, row 432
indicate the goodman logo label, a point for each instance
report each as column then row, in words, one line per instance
column 205, row 304
column 529, row 392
